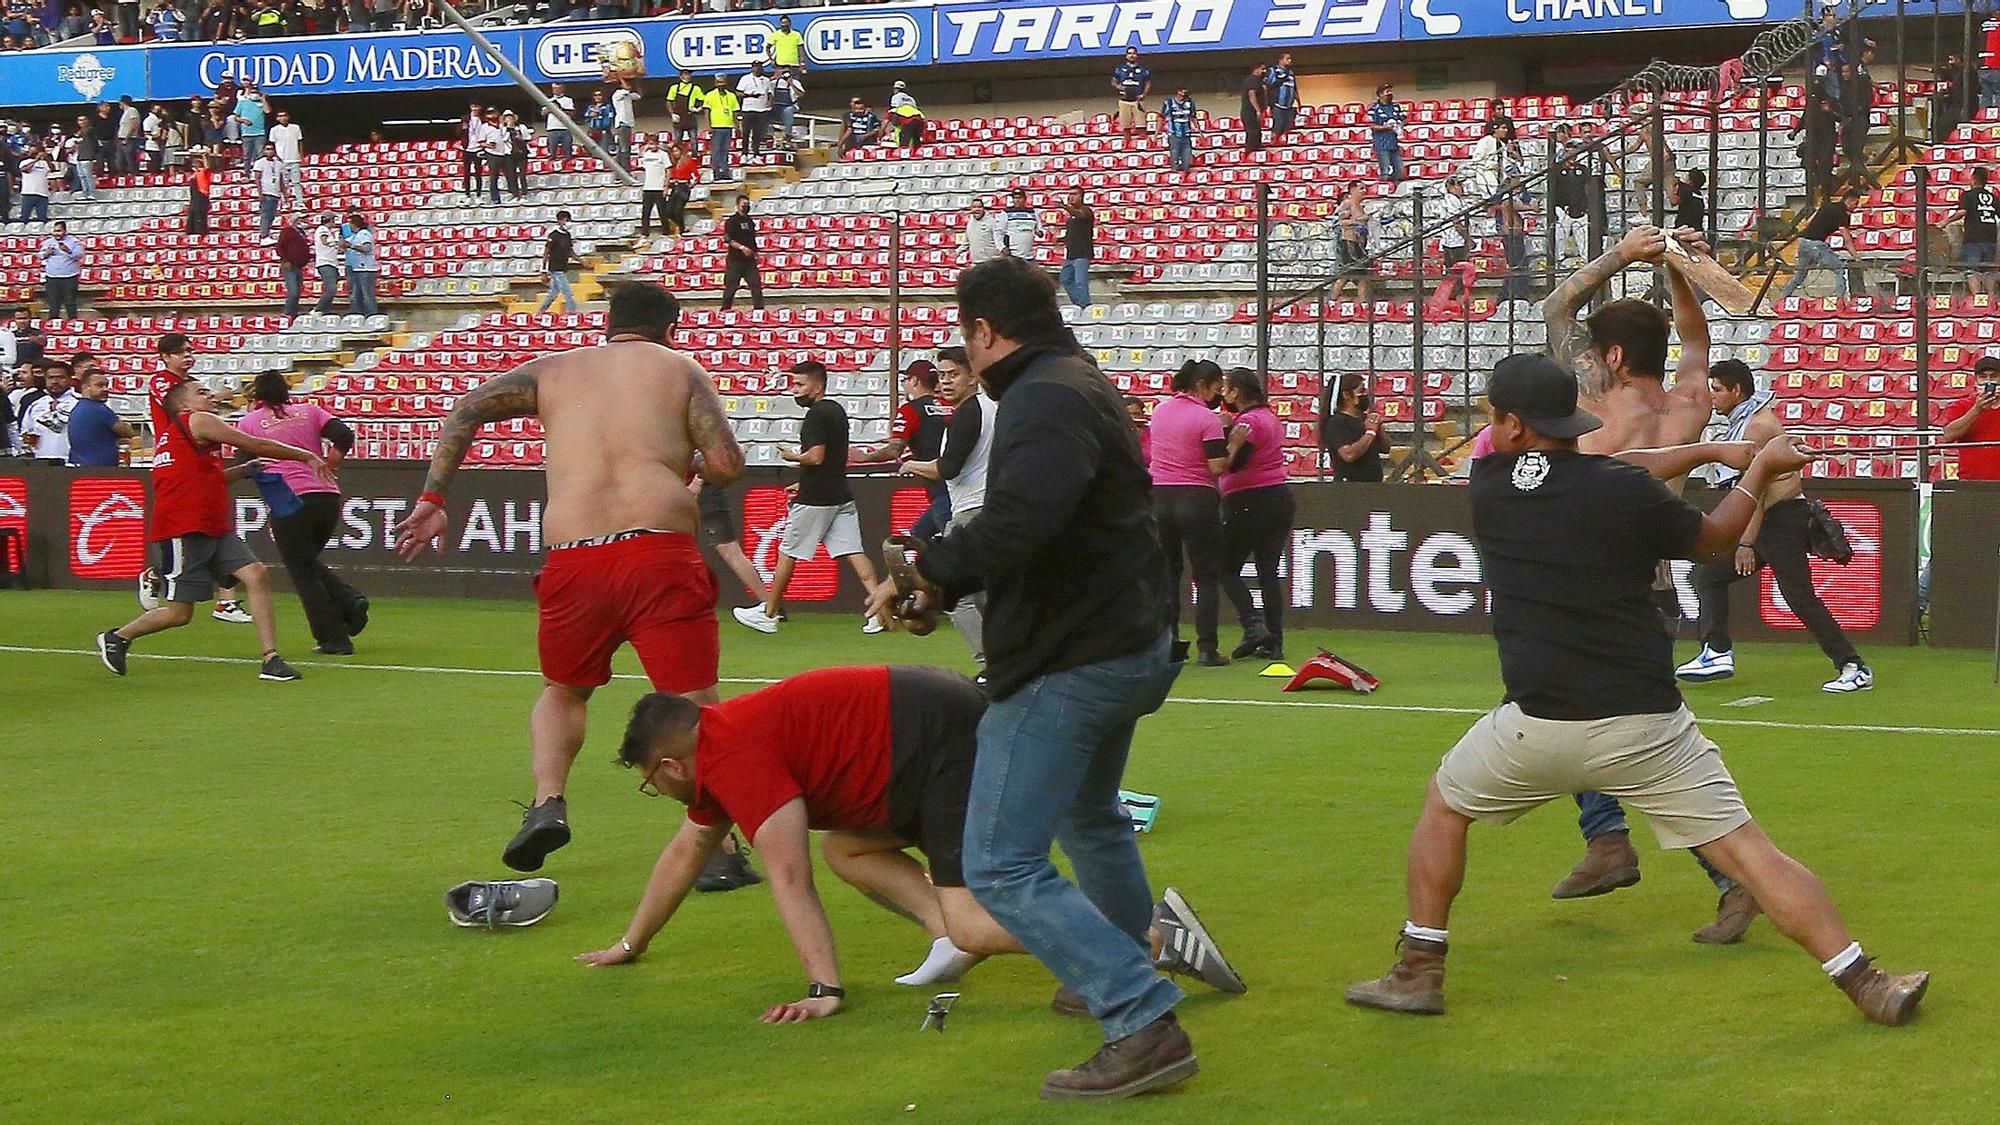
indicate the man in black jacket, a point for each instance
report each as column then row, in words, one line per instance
column 1076, row 651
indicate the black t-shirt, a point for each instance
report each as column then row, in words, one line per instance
column 1570, row 543
column 743, row 229
column 1691, row 211
column 1982, row 214
column 561, row 247
column 1079, row 231
column 1345, row 429
column 824, row 484
column 1568, row 188
column 1829, row 218
column 1252, row 88
column 933, row 415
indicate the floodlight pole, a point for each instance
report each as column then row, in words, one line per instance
column 527, row 85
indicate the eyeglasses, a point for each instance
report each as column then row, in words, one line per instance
column 647, row 787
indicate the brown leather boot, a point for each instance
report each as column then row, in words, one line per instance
column 1415, row 985
column 1881, row 997
column 1154, row 1057
column 1068, row 1002
column 1733, row 915
column 1608, row 864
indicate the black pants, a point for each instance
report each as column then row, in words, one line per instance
column 1190, row 519
column 301, row 537
column 517, row 173
column 469, row 164
column 677, row 205
column 649, row 202
column 1253, row 134
column 197, row 220
column 61, row 295
column 1257, row 524
column 737, row 271
column 1781, row 545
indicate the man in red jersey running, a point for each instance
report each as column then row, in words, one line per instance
column 191, row 532
column 176, row 356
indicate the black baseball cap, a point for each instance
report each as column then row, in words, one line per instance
column 1536, row 389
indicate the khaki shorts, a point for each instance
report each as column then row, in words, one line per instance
column 1131, row 115
column 1510, row 763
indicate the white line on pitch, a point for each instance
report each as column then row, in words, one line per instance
column 1311, row 704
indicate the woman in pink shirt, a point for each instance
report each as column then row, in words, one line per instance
column 1257, row 511
column 305, row 511
column 1187, row 453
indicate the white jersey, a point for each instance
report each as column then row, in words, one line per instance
column 968, row 488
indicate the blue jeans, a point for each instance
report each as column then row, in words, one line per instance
column 253, row 147
column 267, row 214
column 1389, row 157
column 1989, row 89
column 718, row 153
column 1598, row 814
column 1181, row 151
column 1051, row 758
column 34, row 207
column 86, row 177
column 329, row 280
column 561, row 144
column 559, row 290
column 936, row 517
column 1076, row 280
column 1817, row 255
column 361, row 292
column 295, row 283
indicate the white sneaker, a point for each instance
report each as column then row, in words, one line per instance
column 1854, row 677
column 149, row 590
column 232, row 612
column 871, row 624
column 754, row 617
column 1710, row 665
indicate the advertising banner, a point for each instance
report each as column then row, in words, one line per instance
column 347, row 64
column 1022, row 31
column 1362, row 556
column 1473, row 19
column 70, row 77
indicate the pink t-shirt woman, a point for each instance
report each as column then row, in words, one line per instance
column 1266, row 466
column 1185, row 434
column 300, row 424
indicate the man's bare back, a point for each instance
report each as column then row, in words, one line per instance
column 623, row 422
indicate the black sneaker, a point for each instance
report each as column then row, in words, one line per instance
column 275, row 668
column 1211, row 658
column 1253, row 645
column 356, row 614
column 727, row 871
column 544, row 828
column 111, row 648
column 335, row 648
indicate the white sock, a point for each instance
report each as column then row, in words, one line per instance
column 1423, row 933
column 1842, row 960
column 945, row 962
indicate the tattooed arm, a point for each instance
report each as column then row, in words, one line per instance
column 1568, row 342
column 718, row 458
column 1691, row 375
column 510, row 396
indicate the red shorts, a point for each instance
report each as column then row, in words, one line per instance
column 653, row 590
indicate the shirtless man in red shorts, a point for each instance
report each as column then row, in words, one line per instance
column 626, row 424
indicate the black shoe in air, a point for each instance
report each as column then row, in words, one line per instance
column 111, row 648
column 275, row 668
column 356, row 615
column 544, row 828
column 727, row 871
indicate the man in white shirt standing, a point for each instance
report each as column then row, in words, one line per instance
column 62, row 265
column 269, row 172
column 149, row 138
column 36, row 168
column 288, row 140
column 985, row 233
column 45, row 423
column 561, row 142
column 624, row 111
column 327, row 256
column 755, row 90
column 653, row 168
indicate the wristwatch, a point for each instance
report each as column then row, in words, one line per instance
column 819, row 990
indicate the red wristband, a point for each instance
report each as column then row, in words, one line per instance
column 431, row 498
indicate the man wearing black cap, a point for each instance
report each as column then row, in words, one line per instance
column 1569, row 541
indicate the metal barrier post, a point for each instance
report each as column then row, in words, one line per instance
column 1923, row 317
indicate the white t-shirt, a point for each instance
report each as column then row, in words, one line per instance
column 565, row 103
column 290, row 141
column 326, row 247
column 50, row 444
column 653, row 169
column 755, row 90
column 35, row 177
column 901, row 99
column 984, row 236
column 270, row 172
column 150, row 130
column 622, row 101
column 968, row 489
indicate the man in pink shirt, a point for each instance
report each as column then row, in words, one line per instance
column 1188, row 451
column 305, row 511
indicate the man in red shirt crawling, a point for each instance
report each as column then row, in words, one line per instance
column 878, row 758
column 191, row 529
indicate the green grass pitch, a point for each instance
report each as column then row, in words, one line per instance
column 223, row 904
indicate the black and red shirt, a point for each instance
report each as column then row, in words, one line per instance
column 823, row 736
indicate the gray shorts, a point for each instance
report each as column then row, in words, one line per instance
column 192, row 566
column 808, row 525
column 1510, row 763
